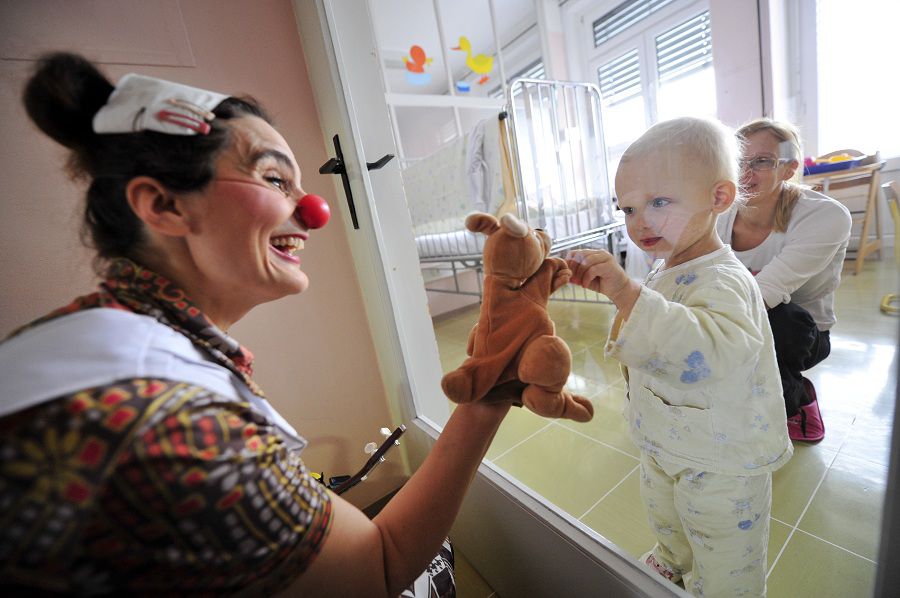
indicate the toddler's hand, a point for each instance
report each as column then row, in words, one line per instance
column 599, row 271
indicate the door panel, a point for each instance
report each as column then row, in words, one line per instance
column 504, row 526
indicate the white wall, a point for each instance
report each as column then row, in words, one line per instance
column 736, row 52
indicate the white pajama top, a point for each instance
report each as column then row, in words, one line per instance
column 703, row 383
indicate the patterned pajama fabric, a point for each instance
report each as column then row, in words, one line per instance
column 711, row 528
column 154, row 487
column 705, row 408
column 703, row 383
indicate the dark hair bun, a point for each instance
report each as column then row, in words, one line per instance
column 63, row 95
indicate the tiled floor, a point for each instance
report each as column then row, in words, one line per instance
column 826, row 500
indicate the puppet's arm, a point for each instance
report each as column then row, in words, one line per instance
column 561, row 276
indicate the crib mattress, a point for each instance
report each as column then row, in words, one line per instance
column 451, row 244
column 457, row 243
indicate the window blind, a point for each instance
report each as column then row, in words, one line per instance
column 535, row 70
column 624, row 16
column 620, row 78
column 684, row 49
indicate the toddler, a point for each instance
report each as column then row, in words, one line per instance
column 704, row 394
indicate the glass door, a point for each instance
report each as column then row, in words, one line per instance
column 436, row 125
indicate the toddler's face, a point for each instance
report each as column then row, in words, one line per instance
column 667, row 205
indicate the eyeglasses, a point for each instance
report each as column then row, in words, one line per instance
column 760, row 164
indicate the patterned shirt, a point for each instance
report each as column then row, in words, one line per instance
column 154, row 486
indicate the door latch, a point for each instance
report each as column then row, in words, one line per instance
column 336, row 166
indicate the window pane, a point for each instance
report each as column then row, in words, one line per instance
column 624, row 122
column 687, row 82
column 691, row 95
column 624, row 117
column 857, row 95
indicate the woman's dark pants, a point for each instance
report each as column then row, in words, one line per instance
column 799, row 345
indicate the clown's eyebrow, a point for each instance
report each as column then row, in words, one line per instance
column 276, row 155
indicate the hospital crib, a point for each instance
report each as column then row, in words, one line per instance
column 543, row 159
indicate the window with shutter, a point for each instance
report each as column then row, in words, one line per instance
column 620, row 78
column 623, row 17
column 686, row 84
column 684, row 49
column 653, row 61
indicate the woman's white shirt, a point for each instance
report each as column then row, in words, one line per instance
column 802, row 264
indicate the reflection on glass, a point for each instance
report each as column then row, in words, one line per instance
column 691, row 95
column 590, row 470
column 411, row 56
column 624, row 122
column 560, row 151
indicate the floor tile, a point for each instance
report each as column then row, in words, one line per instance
column 609, row 425
column 846, row 509
column 794, row 484
column 811, row 568
column 451, row 355
column 869, row 439
column 516, row 427
column 568, row 469
column 622, row 517
column 591, row 363
column 778, row 535
column 585, row 385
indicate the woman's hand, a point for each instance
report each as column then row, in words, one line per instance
column 599, row 271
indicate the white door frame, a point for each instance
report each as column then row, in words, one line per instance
column 503, row 526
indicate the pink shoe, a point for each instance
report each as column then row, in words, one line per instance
column 807, row 425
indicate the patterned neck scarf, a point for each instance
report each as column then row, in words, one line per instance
column 132, row 287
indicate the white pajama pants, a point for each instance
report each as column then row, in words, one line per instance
column 713, row 526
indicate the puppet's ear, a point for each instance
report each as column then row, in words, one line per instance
column 479, row 222
column 516, row 227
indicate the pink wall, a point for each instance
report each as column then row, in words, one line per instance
column 314, row 353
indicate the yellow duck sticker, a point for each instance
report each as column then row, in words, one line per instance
column 481, row 64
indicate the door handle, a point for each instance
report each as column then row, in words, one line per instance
column 333, row 166
column 336, row 166
column 380, row 162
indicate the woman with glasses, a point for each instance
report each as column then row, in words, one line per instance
column 793, row 240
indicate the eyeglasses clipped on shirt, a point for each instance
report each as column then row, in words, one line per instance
column 762, row 163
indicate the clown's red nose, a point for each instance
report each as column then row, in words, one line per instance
column 312, row 211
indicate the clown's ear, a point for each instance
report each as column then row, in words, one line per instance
column 516, row 227
column 479, row 222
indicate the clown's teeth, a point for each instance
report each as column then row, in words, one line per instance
column 287, row 244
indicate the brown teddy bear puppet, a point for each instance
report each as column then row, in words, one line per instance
column 515, row 339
